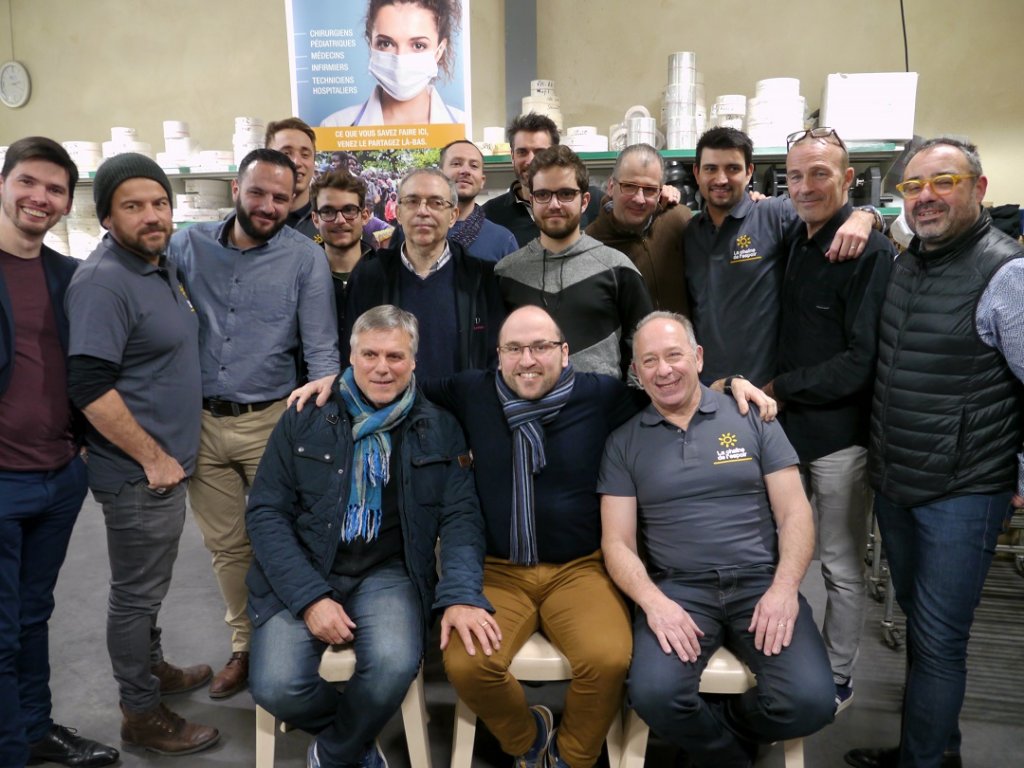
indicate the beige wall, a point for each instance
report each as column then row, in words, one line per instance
column 969, row 57
column 98, row 63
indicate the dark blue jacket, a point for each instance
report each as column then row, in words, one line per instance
column 479, row 306
column 293, row 519
column 58, row 270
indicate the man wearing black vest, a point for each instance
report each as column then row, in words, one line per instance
column 946, row 428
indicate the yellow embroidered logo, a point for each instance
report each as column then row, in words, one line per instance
column 744, row 250
column 318, row 239
column 730, row 452
column 185, row 295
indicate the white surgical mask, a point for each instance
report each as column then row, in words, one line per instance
column 403, row 77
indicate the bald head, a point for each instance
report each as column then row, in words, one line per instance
column 531, row 352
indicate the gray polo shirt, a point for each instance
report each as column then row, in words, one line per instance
column 124, row 310
column 701, row 498
column 256, row 307
column 734, row 276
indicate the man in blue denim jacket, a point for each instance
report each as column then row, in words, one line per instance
column 343, row 517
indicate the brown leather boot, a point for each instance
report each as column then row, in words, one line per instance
column 178, row 680
column 160, row 730
column 233, row 678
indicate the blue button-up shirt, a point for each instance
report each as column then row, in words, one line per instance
column 255, row 307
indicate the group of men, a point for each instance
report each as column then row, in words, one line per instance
column 553, row 487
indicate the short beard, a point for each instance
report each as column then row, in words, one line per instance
column 245, row 220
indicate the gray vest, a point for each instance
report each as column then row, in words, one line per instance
column 947, row 413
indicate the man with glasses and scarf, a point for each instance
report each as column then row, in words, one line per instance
column 947, row 423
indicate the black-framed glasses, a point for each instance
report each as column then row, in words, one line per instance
column 943, row 184
column 348, row 212
column 564, row 195
column 537, row 348
column 629, row 189
column 822, row 134
column 434, row 203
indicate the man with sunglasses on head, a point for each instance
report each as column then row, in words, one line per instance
column 735, row 257
column 594, row 293
column 947, row 424
column 637, row 220
column 827, row 343
column 453, row 295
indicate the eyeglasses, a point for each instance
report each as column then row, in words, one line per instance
column 943, row 184
column 433, row 203
column 543, row 196
column 823, row 133
column 537, row 348
column 348, row 212
column 629, row 189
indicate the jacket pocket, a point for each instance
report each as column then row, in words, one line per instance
column 314, row 469
column 428, row 476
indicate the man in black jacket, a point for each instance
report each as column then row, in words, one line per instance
column 42, row 476
column 453, row 295
column 827, row 342
column 947, row 420
column 391, row 471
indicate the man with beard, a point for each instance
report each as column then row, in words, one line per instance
column 134, row 371
column 528, row 135
column 261, row 289
column 339, row 212
column 594, row 293
column 463, row 163
column 946, row 428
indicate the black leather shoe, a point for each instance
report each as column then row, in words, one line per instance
column 873, row 758
column 64, row 745
column 890, row 758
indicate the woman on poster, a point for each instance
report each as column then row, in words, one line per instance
column 410, row 47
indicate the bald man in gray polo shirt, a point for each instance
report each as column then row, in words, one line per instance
column 729, row 535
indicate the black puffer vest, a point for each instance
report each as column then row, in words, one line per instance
column 947, row 414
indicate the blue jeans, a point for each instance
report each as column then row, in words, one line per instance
column 939, row 555
column 794, row 695
column 37, row 513
column 284, row 677
column 143, row 530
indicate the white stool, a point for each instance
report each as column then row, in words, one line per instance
column 337, row 665
column 538, row 660
column 723, row 674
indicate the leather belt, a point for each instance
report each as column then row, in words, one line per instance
column 227, row 408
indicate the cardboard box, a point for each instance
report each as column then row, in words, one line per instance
column 870, row 106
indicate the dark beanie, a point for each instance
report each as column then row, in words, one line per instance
column 118, row 169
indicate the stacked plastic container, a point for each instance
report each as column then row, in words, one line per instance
column 683, row 113
column 776, row 110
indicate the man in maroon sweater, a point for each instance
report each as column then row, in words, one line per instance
column 42, row 476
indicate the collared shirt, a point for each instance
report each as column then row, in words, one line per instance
column 255, row 306
column 734, row 276
column 999, row 320
column 702, row 502
column 828, row 339
column 443, row 259
column 126, row 311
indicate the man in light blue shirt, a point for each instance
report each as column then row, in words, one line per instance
column 263, row 293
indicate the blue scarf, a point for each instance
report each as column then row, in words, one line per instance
column 525, row 418
column 371, row 456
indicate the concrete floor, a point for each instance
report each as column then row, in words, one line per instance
column 85, row 696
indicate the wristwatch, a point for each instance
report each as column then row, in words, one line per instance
column 879, row 218
column 727, row 387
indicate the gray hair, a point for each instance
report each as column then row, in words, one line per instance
column 969, row 151
column 663, row 315
column 453, row 192
column 645, row 153
column 387, row 317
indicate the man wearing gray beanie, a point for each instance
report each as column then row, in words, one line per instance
column 133, row 370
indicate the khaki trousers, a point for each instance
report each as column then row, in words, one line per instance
column 580, row 611
column 230, row 449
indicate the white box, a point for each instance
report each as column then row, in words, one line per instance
column 870, row 106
